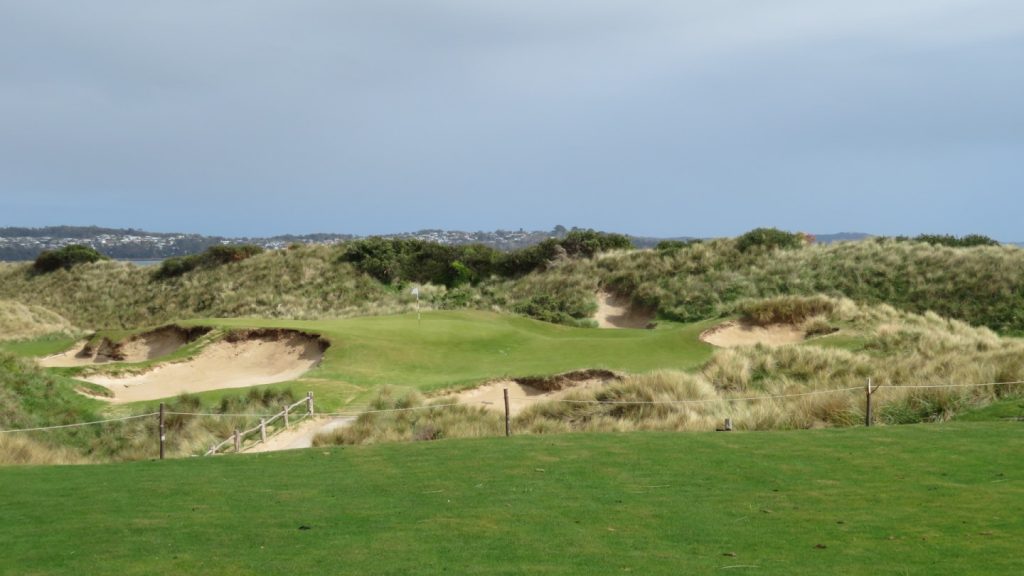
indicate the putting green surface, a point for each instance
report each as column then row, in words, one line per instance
column 459, row 348
column 925, row 499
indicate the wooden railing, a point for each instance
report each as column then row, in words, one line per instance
column 238, row 438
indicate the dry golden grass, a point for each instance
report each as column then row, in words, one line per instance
column 24, row 450
column 20, row 321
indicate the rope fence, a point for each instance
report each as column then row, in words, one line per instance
column 237, row 439
column 81, row 424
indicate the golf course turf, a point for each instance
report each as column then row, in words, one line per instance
column 922, row 499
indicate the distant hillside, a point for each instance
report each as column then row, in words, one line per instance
column 18, row 244
column 122, row 243
column 841, row 237
column 651, row 242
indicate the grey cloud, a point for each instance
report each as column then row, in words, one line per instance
column 384, row 115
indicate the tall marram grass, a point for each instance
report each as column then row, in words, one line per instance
column 408, row 416
column 19, row 321
column 22, row 450
column 303, row 283
column 982, row 285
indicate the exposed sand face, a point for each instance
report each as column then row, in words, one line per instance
column 521, row 395
column 75, row 356
column 258, row 360
column 617, row 312
column 154, row 345
column 734, row 334
column 148, row 346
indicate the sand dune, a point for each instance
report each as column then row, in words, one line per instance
column 618, row 312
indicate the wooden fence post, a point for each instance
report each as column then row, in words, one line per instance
column 285, row 410
column 309, row 403
column 162, row 435
column 867, row 413
column 508, row 425
column 263, row 430
column 238, row 441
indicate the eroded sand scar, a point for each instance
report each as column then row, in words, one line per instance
column 242, row 359
column 615, row 311
column 524, row 392
column 146, row 346
column 734, row 334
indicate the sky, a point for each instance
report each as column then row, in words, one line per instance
column 657, row 118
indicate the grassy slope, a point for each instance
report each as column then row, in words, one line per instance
column 1009, row 409
column 43, row 346
column 941, row 499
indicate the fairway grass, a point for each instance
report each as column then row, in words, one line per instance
column 924, row 499
column 37, row 347
column 453, row 349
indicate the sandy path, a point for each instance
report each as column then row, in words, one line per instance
column 301, row 435
column 219, row 365
column 618, row 312
column 492, row 394
column 733, row 334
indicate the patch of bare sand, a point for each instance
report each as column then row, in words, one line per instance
column 615, row 311
column 524, row 392
column 74, row 356
column 230, row 363
column 301, row 435
column 154, row 344
column 734, row 334
column 140, row 348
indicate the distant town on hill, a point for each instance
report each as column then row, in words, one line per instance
column 131, row 244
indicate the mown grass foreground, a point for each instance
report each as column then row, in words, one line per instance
column 935, row 499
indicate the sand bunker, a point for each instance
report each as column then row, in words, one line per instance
column 734, row 334
column 615, row 311
column 240, row 360
column 524, row 392
column 140, row 348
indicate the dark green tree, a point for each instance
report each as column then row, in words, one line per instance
column 66, row 257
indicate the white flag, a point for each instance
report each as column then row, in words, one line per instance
column 416, row 292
